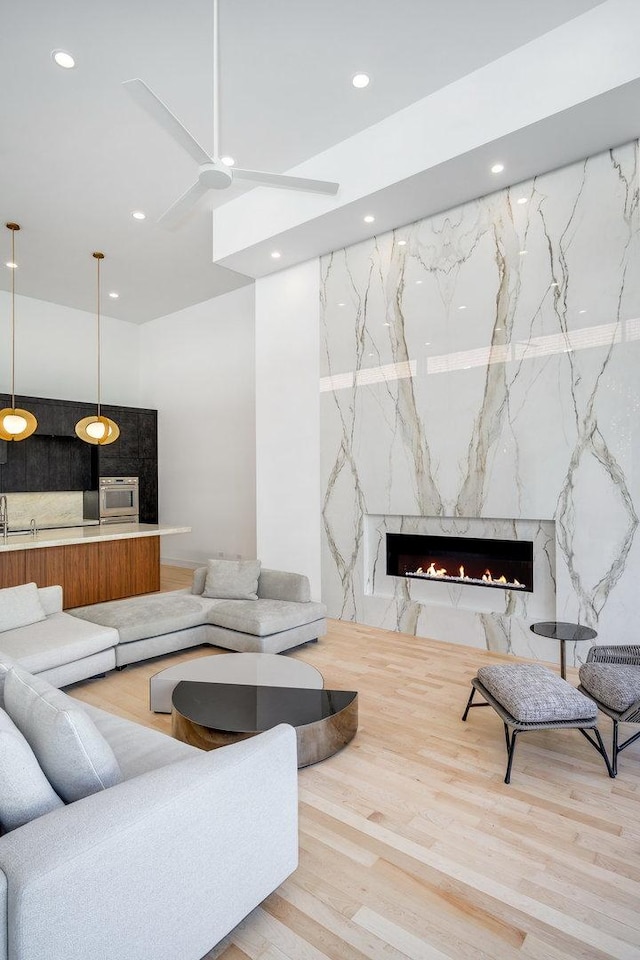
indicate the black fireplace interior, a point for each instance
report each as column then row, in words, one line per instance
column 505, row 564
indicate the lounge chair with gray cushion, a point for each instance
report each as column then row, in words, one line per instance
column 528, row 696
column 611, row 677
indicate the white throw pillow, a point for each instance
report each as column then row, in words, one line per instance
column 20, row 606
column 25, row 792
column 76, row 758
column 232, row 579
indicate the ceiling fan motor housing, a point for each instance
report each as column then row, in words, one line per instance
column 215, row 176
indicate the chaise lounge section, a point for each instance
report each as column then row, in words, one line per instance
column 36, row 633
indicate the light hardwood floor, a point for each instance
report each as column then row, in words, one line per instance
column 411, row 846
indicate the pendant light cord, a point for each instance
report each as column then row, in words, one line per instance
column 99, row 257
column 13, row 315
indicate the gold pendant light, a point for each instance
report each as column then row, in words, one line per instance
column 98, row 429
column 15, row 424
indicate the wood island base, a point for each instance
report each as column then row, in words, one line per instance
column 88, row 572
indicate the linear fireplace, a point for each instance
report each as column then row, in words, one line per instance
column 505, row 564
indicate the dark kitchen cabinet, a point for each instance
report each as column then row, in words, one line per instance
column 55, row 459
column 126, row 446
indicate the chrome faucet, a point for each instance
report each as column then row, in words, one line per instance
column 4, row 517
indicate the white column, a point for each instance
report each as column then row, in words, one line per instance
column 288, row 421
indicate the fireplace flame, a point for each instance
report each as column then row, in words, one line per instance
column 487, row 577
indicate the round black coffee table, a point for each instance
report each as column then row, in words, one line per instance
column 565, row 633
column 210, row 715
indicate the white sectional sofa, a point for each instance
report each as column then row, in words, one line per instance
column 159, row 866
column 282, row 617
column 162, row 864
column 65, row 647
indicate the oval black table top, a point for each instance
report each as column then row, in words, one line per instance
column 558, row 630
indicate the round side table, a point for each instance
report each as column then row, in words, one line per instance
column 564, row 632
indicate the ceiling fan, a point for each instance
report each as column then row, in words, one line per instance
column 213, row 174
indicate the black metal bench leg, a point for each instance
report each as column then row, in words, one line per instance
column 512, row 748
column 469, row 702
column 615, row 750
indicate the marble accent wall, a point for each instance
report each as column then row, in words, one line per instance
column 483, row 365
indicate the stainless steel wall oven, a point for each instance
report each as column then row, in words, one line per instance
column 115, row 501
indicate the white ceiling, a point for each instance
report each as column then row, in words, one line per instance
column 77, row 155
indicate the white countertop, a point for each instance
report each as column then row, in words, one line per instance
column 94, row 534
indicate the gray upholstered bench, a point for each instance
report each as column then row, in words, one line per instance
column 527, row 696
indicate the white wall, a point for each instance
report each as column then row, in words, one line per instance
column 197, row 368
column 288, row 421
column 56, row 353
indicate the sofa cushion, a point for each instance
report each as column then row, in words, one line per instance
column 138, row 749
column 616, row 685
column 55, row 641
column 25, row 792
column 278, row 585
column 20, row 606
column 264, row 617
column 532, row 694
column 138, row 618
column 75, row 757
column 232, row 579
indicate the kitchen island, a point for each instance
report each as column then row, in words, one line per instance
column 91, row 563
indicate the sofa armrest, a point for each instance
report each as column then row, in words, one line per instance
column 161, row 866
column 51, row 599
column 278, row 585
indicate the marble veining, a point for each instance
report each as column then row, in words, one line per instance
column 63, row 507
column 482, row 365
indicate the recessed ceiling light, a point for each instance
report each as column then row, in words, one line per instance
column 402, row 243
column 276, row 254
column 341, row 304
column 386, row 324
column 497, row 168
column 11, row 265
column 360, row 81
column 427, row 343
column 369, row 218
column 369, row 354
column 114, row 295
column 139, row 215
column 555, row 284
column 582, row 311
column 228, row 161
column 522, row 253
column 462, row 306
column 63, row 59
column 522, row 200
column 419, row 281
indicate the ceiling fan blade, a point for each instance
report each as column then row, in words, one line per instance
column 159, row 111
column 287, row 183
column 184, row 205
